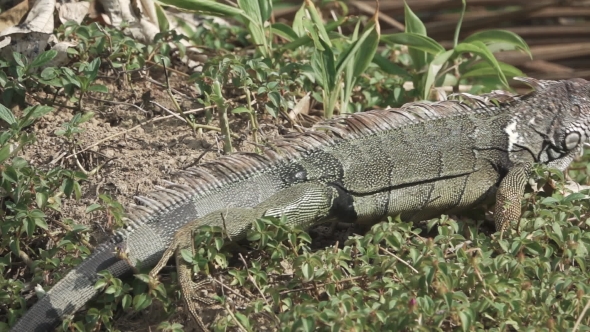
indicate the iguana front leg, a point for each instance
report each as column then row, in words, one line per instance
column 303, row 205
column 509, row 195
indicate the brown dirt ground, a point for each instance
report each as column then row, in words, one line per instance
column 133, row 159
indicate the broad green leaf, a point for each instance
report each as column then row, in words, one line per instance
column 360, row 55
column 251, row 12
column 163, row 21
column 93, row 207
column 36, row 213
column 298, row 21
column 306, row 39
column 85, row 117
column 499, row 36
column 141, row 301
column 204, row 7
column 433, row 68
column 416, row 41
column 98, row 88
column 187, row 255
column 284, row 31
column 313, row 33
column 91, row 70
column 389, row 67
column 40, row 222
column 315, row 18
column 265, row 9
column 415, row 25
column 368, row 47
column 43, row 58
column 33, row 113
column 466, row 317
column 6, row 115
column 126, row 301
column 485, row 69
column 19, row 59
column 413, row 22
column 323, row 63
column 478, row 48
column 15, row 247
column 5, row 152
column 240, row 110
column 29, row 225
column 350, row 53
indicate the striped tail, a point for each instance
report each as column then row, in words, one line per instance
column 72, row 292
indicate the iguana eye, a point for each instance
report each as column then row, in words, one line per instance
column 553, row 154
column 571, row 141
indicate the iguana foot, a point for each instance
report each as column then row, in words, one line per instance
column 190, row 295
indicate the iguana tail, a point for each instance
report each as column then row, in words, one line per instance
column 73, row 291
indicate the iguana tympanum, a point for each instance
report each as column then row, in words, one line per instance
column 418, row 161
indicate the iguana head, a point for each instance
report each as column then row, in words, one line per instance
column 551, row 123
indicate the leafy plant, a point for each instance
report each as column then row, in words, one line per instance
column 432, row 65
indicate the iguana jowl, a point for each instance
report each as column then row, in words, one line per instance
column 419, row 161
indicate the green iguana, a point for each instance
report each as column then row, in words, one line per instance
column 418, row 161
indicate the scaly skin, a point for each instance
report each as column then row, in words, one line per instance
column 419, row 161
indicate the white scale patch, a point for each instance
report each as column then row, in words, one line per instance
column 513, row 136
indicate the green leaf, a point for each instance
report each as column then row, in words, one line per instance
column 41, row 199
column 573, row 197
column 141, row 301
column 305, row 39
column 204, row 7
column 298, row 21
column 252, row 12
column 317, row 21
column 187, row 255
column 239, row 110
column 413, row 40
column 93, row 207
column 29, row 225
column 10, row 174
column 466, row 317
column 126, row 301
column 389, row 67
column 38, row 111
column 350, row 53
column 5, row 152
column 284, row 31
column 368, row 47
column 484, row 68
column 313, row 33
column 163, row 22
column 41, row 223
column 32, row 113
column 324, row 65
column 500, row 36
column 43, row 58
column 414, row 25
column 6, row 115
column 480, row 49
column 433, row 69
column 413, row 22
column 36, row 213
column 307, row 271
column 98, row 88
column 91, row 71
column 19, row 59
column 265, row 9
